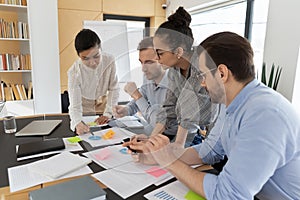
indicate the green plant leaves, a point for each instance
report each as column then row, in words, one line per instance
column 273, row 80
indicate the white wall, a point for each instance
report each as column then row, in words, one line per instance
column 43, row 20
column 174, row 4
column 282, row 41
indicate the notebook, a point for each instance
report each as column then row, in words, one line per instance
column 33, row 148
column 59, row 165
column 77, row 189
column 38, row 127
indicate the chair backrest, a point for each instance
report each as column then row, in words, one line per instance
column 65, row 102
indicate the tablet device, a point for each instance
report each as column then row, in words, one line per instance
column 39, row 127
column 43, row 146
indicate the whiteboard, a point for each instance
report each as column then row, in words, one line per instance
column 114, row 40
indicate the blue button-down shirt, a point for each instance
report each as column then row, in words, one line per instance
column 260, row 133
column 149, row 104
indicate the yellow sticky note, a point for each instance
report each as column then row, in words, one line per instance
column 193, row 196
column 75, row 139
column 108, row 135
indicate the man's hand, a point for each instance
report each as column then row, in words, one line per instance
column 102, row 120
column 136, row 147
column 131, row 89
column 120, row 111
column 162, row 151
column 82, row 128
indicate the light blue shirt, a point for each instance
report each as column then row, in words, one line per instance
column 260, row 133
column 149, row 104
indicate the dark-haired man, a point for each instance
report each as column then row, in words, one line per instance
column 257, row 129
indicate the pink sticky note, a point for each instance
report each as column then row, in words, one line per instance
column 156, row 171
column 103, row 154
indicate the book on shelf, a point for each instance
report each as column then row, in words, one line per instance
column 15, row 62
column 23, row 91
column 29, row 94
column 11, row 92
column 8, row 92
column 16, row 92
column 13, row 29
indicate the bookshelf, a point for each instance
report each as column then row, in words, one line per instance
column 29, row 57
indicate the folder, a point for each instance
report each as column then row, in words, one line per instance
column 77, row 189
column 32, row 148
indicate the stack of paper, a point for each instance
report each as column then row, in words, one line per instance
column 130, row 122
column 60, row 164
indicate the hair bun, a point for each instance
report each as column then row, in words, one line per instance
column 180, row 18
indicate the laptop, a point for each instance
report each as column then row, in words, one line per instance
column 39, row 127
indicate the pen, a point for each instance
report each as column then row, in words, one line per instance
column 164, row 106
column 138, row 140
column 90, row 129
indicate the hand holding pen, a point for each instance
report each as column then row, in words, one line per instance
column 82, row 128
column 136, row 143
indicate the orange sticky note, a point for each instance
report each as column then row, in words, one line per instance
column 108, row 135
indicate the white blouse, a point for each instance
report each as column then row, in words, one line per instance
column 92, row 84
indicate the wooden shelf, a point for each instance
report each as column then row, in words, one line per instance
column 14, row 71
column 13, row 8
column 14, row 39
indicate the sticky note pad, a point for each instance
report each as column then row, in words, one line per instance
column 193, row 196
column 108, row 135
column 156, row 171
column 92, row 124
column 103, row 154
column 75, row 139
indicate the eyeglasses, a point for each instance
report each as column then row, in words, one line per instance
column 160, row 52
column 202, row 75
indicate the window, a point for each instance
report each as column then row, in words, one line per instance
column 231, row 16
column 137, row 29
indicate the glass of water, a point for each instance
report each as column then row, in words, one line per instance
column 9, row 123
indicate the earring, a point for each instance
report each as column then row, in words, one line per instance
column 178, row 57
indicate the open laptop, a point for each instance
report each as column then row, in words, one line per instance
column 39, row 127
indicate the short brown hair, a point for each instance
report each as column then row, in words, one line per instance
column 232, row 50
column 146, row 43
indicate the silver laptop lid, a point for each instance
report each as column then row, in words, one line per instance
column 38, row 127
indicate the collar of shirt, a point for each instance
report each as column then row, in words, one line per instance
column 164, row 81
column 242, row 96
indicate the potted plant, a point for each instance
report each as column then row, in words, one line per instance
column 274, row 77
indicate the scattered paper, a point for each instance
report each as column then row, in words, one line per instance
column 20, row 177
column 113, row 157
column 118, row 137
column 175, row 191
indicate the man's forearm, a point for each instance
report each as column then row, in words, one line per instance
column 181, row 135
column 158, row 129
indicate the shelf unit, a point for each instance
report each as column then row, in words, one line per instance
column 42, row 45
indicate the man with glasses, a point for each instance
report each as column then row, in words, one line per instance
column 151, row 95
column 257, row 129
column 92, row 82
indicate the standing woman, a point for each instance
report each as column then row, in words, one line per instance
column 173, row 42
column 92, row 82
